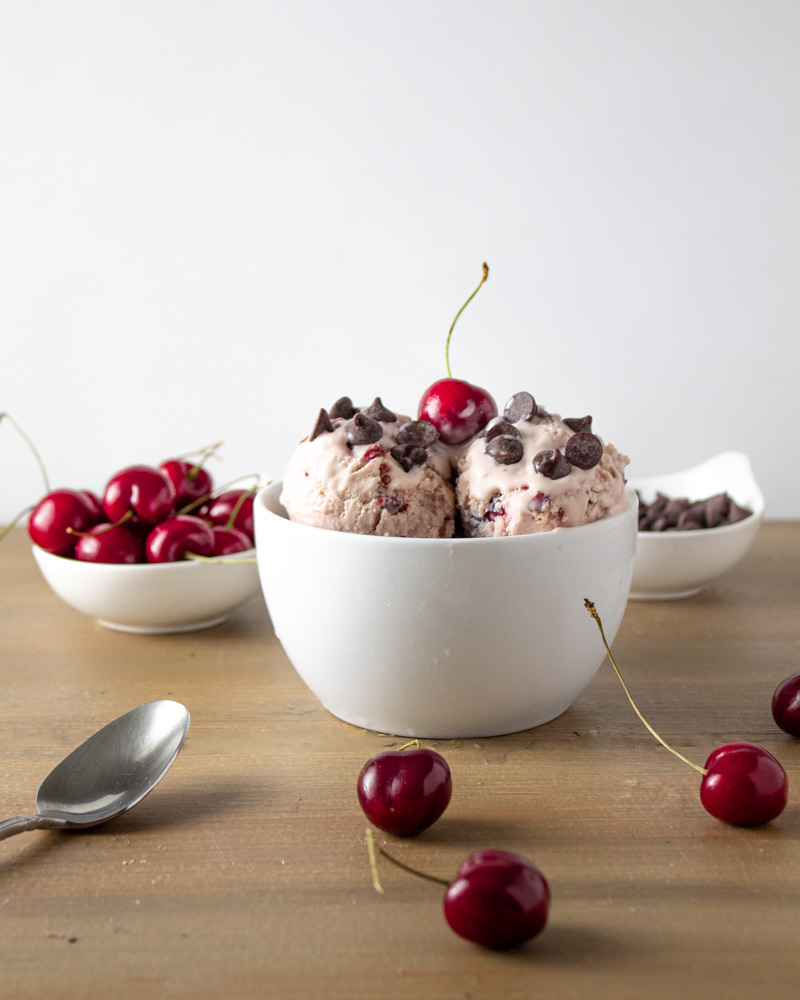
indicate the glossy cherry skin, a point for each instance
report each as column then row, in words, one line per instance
column 458, row 410
column 228, row 541
column 191, row 482
column 110, row 543
column 144, row 491
column 404, row 791
column 786, row 705
column 172, row 539
column 745, row 785
column 220, row 509
column 498, row 899
column 60, row 513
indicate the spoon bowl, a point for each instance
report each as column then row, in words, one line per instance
column 111, row 772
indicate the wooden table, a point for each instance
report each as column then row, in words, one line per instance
column 245, row 873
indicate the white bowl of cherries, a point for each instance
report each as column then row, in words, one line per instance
column 160, row 552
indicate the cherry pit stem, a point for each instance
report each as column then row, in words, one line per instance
column 374, row 849
column 30, row 444
column 461, row 310
column 593, row 612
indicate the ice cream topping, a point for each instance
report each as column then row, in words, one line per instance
column 521, row 406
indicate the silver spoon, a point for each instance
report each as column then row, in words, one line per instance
column 110, row 772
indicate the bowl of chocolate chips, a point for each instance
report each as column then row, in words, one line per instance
column 694, row 526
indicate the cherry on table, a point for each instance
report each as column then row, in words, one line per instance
column 171, row 540
column 744, row 785
column 786, row 705
column 58, row 518
column 191, row 481
column 498, row 899
column 405, row 791
column 140, row 492
column 110, row 543
column 228, row 541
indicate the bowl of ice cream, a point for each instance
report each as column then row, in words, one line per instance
column 699, row 524
column 150, row 598
column 439, row 593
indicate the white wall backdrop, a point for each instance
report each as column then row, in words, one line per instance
column 216, row 217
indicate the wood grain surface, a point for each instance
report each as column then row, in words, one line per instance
column 245, row 873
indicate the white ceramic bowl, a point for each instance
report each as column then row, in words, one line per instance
column 443, row 638
column 152, row 599
column 674, row 564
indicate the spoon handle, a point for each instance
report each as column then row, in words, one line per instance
column 19, row 824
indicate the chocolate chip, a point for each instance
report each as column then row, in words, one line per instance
column 690, row 519
column 408, row 455
column 737, row 513
column 323, row 425
column 501, row 427
column 551, row 464
column 418, row 432
column 716, row 509
column 584, row 450
column 343, row 408
column 681, row 514
column 377, row 411
column 521, row 406
column 579, row 424
column 363, row 430
column 393, row 505
column 504, row 449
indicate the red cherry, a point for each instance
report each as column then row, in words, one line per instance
column 142, row 490
column 173, row 538
column 497, row 899
column 221, row 507
column 458, row 410
column 59, row 514
column 191, row 481
column 786, row 705
column 744, row 785
column 404, row 791
column 228, row 541
column 110, row 543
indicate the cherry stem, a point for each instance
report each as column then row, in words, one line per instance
column 593, row 612
column 30, row 444
column 220, row 489
column 374, row 848
column 106, row 527
column 461, row 310
column 205, row 452
column 12, row 524
column 411, row 743
column 238, row 506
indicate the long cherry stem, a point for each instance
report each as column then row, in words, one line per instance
column 461, row 310
column 374, row 849
column 593, row 612
column 30, row 444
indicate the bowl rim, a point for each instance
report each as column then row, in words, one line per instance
column 39, row 552
column 274, row 489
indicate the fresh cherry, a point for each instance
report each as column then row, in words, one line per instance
column 458, row 410
column 404, row 791
column 786, row 705
column 143, row 494
column 110, row 543
column 171, row 540
column 228, row 541
column 497, row 899
column 59, row 516
column 221, row 510
column 191, row 481
column 744, row 785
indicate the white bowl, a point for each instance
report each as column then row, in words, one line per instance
column 443, row 638
column 152, row 599
column 674, row 564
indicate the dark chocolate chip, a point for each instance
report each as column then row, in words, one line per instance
column 716, row 509
column 393, row 505
column 343, row 408
column 504, row 449
column 363, row 430
column 584, row 450
column 521, row 406
column 579, row 424
column 322, row 425
column 501, row 427
column 418, row 432
column 690, row 519
column 551, row 464
column 377, row 411
column 737, row 513
column 408, row 455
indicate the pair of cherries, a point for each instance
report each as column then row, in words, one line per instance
column 146, row 514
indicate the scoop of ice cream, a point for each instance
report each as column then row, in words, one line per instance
column 372, row 472
column 533, row 471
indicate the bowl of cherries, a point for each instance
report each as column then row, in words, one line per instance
column 160, row 551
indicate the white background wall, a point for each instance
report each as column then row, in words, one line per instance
column 216, row 217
